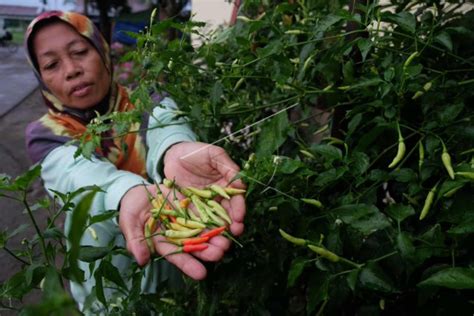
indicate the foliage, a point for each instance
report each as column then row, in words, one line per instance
column 262, row 88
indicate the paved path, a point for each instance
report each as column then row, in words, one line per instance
column 17, row 81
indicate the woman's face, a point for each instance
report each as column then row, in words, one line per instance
column 70, row 66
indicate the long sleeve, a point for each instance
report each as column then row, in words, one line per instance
column 64, row 173
column 161, row 138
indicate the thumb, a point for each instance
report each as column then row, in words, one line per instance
column 132, row 228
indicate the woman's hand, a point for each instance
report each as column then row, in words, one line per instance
column 134, row 213
column 199, row 165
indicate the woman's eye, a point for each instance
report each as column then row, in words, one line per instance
column 50, row 66
column 80, row 52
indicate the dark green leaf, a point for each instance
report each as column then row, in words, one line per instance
column 354, row 123
column 399, row 211
column 374, row 278
column 25, row 180
column 465, row 227
column 103, row 217
column 296, row 268
column 405, row 20
column 405, row 245
column 364, row 218
column 445, row 39
column 359, row 163
column 216, row 93
column 448, row 113
column 317, row 292
column 91, row 254
column 111, row 273
column 453, row 278
column 273, row 135
column 404, row 175
column 329, row 152
column 364, row 46
column 352, row 279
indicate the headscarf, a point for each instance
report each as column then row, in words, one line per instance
column 62, row 124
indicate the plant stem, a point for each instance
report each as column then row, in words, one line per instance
column 38, row 231
column 384, row 256
column 15, row 256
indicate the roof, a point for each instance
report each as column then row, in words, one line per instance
column 19, row 12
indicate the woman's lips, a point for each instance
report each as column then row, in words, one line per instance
column 81, row 90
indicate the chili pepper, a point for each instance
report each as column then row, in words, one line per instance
column 194, row 248
column 446, row 158
column 155, row 212
column 428, row 201
column 410, row 59
column 190, row 223
column 314, row 202
column 179, row 227
column 182, row 234
column 421, row 152
column 172, row 218
column 199, row 206
column 451, row 192
column 168, row 183
column 207, row 194
column 213, row 216
column 93, row 233
column 234, row 191
column 292, row 239
column 219, row 190
column 195, row 240
column 184, row 203
column 466, row 174
column 220, row 210
column 331, row 256
column 239, row 83
column 150, row 227
column 401, row 149
column 187, row 241
column 193, row 215
column 214, row 232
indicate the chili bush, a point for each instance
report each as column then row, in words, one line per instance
column 315, row 99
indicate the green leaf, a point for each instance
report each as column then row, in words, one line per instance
column 103, row 216
column 404, row 19
column 453, row 278
column 404, row 175
column 77, row 227
column 405, row 245
column 399, row 211
column 91, row 254
column 445, row 39
column 374, row 278
column 354, row 123
column 329, row 176
column 352, row 278
column 329, row 152
column 296, row 268
column 24, row 181
column 111, row 273
column 273, row 135
column 216, row 93
column 364, row 45
column 359, row 163
column 464, row 228
column 364, row 218
column 449, row 113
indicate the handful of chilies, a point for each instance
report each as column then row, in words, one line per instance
column 180, row 224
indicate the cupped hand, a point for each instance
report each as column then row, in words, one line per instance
column 199, row 165
column 134, row 213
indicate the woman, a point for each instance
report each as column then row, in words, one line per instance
column 71, row 61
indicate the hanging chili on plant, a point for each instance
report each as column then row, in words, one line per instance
column 401, row 149
column 428, row 202
column 446, row 159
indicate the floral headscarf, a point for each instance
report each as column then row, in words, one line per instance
column 62, row 124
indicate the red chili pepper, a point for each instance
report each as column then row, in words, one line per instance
column 172, row 218
column 193, row 248
column 214, row 232
column 195, row 240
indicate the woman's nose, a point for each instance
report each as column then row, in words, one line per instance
column 72, row 69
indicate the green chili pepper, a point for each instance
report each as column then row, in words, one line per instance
column 219, row 190
column 294, row 240
column 207, row 194
column 199, row 206
column 428, row 201
column 401, row 149
column 314, row 202
column 182, row 233
column 466, row 174
column 446, row 158
column 421, row 152
column 219, row 210
column 331, row 256
column 410, row 59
